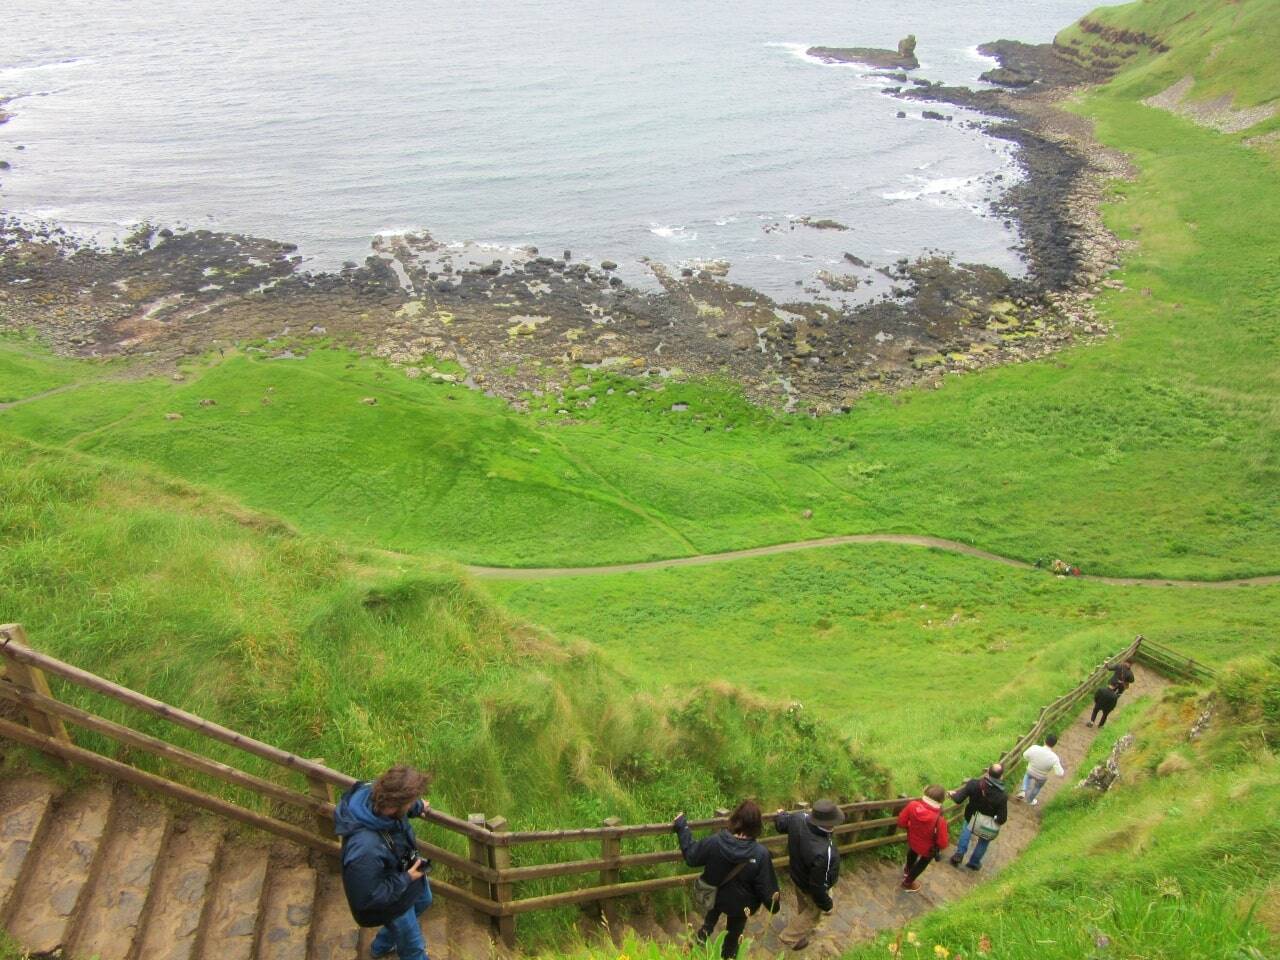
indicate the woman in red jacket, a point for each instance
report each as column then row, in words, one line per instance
column 926, row 834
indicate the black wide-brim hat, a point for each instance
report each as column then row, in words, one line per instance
column 825, row 813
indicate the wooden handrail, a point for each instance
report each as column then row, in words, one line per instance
column 11, row 648
column 489, row 864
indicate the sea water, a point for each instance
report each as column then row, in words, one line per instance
column 676, row 131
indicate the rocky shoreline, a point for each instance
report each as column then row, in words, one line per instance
column 519, row 326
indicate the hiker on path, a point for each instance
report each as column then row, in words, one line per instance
column 737, row 876
column 1041, row 761
column 926, row 834
column 1122, row 676
column 1104, row 701
column 814, row 867
column 384, row 878
column 986, row 810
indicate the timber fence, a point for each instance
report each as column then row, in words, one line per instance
column 486, row 877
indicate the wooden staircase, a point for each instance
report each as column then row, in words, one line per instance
column 102, row 871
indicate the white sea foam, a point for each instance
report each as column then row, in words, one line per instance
column 676, row 234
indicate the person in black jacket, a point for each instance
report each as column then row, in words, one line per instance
column 985, row 795
column 738, row 866
column 1104, row 701
column 383, row 877
column 814, row 866
column 1122, row 677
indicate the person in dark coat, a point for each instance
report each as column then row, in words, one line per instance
column 985, row 795
column 1122, row 676
column 1104, row 701
column 382, row 875
column 814, row 866
column 738, row 866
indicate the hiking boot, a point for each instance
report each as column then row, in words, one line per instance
column 1035, row 802
column 912, row 886
column 974, row 867
column 954, row 861
column 1088, row 723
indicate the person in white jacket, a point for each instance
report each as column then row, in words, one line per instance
column 1041, row 761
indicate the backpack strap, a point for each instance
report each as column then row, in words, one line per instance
column 733, row 873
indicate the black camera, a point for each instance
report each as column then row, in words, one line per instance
column 410, row 860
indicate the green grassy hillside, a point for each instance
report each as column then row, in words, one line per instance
column 887, row 641
column 1178, row 860
column 301, row 643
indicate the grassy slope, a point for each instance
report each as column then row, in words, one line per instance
column 295, row 641
column 1177, row 862
column 888, row 642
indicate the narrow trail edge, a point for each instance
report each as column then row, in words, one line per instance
column 911, row 540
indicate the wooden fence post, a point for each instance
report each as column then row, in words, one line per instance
column 322, row 790
column 33, row 679
column 611, row 849
column 478, row 853
column 503, row 893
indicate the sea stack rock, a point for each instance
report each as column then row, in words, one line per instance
column 904, row 58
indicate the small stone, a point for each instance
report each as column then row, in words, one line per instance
column 413, row 373
column 568, row 255
column 371, row 401
column 808, row 515
column 178, row 378
column 608, row 265
column 173, row 416
column 679, row 407
column 207, row 402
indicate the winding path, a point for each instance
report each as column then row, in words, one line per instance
column 937, row 543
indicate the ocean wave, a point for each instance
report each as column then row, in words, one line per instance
column 954, row 192
column 22, row 69
column 676, row 234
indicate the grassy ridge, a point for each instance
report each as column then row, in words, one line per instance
column 295, row 641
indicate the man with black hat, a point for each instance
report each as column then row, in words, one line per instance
column 814, row 865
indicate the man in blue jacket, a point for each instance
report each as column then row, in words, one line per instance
column 383, row 876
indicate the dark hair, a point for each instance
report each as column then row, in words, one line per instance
column 996, row 770
column 1051, row 740
column 746, row 820
column 398, row 786
column 935, row 791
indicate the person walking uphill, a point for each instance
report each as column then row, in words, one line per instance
column 1041, row 761
column 737, row 877
column 814, row 867
column 926, row 834
column 1104, row 701
column 986, row 810
column 384, row 879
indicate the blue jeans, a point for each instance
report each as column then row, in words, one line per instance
column 403, row 934
column 963, row 844
column 1031, row 787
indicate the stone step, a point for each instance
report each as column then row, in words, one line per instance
column 54, row 879
column 24, row 805
column 288, row 903
column 179, row 887
column 334, row 935
column 230, row 923
column 108, row 921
